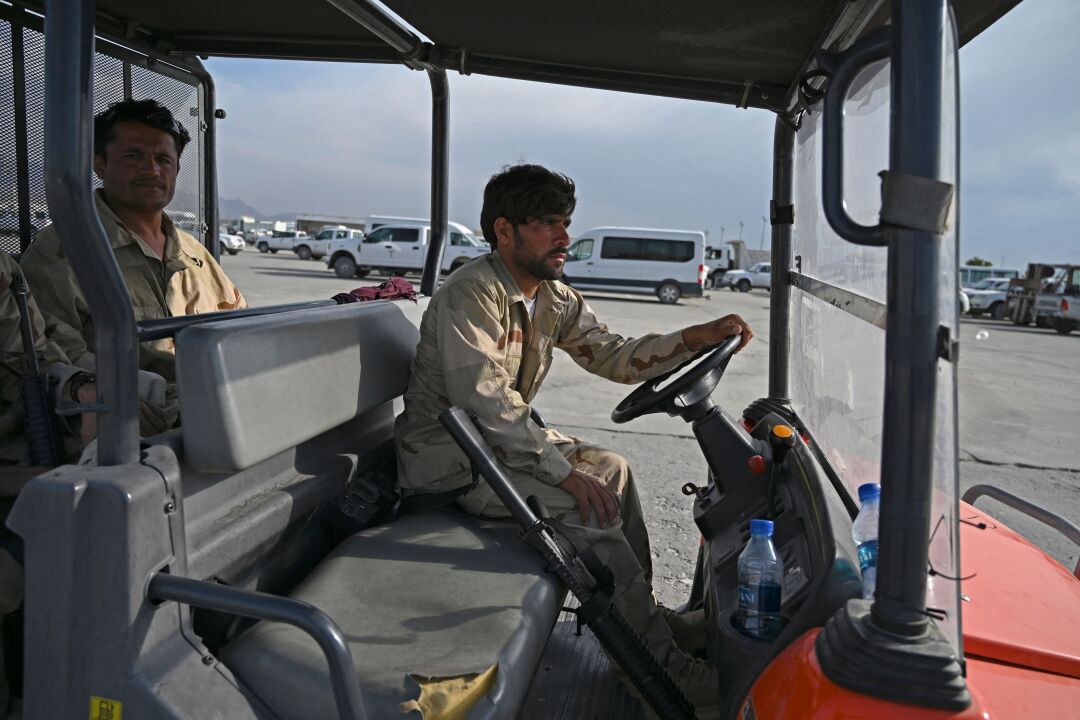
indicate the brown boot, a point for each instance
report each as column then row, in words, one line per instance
column 688, row 629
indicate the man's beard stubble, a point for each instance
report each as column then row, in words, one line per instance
column 535, row 265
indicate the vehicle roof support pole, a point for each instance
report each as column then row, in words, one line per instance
column 911, row 341
column 440, row 179
column 867, row 646
column 384, row 26
column 783, row 217
column 69, row 63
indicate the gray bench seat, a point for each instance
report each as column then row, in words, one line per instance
column 439, row 594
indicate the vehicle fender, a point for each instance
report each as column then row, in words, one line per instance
column 794, row 686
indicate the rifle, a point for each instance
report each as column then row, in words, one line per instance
column 582, row 573
column 40, row 430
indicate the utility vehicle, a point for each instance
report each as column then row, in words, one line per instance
column 189, row 575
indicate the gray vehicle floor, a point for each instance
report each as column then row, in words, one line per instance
column 576, row 681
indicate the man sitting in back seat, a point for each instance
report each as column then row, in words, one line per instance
column 486, row 343
column 137, row 148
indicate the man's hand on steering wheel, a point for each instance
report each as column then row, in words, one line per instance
column 712, row 333
column 591, row 493
column 713, row 344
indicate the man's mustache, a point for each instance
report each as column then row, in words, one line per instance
column 150, row 183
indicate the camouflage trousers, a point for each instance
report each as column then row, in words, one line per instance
column 622, row 546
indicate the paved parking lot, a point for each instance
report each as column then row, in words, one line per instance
column 1019, row 406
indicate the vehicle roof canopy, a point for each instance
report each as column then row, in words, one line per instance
column 742, row 52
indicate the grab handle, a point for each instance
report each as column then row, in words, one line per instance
column 845, row 68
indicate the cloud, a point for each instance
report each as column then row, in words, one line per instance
column 355, row 140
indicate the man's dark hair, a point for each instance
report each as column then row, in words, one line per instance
column 522, row 192
column 147, row 112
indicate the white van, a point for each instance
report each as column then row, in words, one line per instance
column 400, row 248
column 669, row 263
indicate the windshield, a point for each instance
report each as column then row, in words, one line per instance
column 991, row 284
column 838, row 377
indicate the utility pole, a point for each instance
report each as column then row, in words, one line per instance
column 721, row 234
column 740, row 229
column 761, row 245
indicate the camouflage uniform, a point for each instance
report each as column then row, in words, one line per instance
column 480, row 350
column 187, row 280
column 62, row 353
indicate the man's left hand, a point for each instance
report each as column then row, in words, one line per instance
column 712, row 333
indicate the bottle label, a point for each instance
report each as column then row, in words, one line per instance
column 867, row 555
column 759, row 610
column 760, row 598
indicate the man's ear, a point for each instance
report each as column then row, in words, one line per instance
column 504, row 231
column 99, row 166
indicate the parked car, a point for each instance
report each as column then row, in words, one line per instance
column 400, row 249
column 317, row 247
column 757, row 276
column 228, row 242
column 669, row 263
column 280, row 240
column 988, row 297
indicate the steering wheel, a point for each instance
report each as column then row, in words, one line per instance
column 693, row 387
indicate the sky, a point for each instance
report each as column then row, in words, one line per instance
column 354, row 140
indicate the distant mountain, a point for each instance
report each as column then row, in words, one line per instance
column 233, row 209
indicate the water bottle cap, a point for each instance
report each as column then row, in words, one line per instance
column 761, row 527
column 869, row 491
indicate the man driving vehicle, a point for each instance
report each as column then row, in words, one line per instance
column 137, row 148
column 486, row 343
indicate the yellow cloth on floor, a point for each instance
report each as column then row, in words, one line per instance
column 449, row 698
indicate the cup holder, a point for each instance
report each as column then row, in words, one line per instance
column 773, row 629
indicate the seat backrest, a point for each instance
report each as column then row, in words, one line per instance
column 253, row 387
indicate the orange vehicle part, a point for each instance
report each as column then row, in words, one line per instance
column 794, row 687
column 1021, row 625
column 1021, row 606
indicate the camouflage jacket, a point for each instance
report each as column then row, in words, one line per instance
column 187, row 280
column 480, row 350
column 61, row 353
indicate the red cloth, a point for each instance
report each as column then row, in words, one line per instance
column 395, row 288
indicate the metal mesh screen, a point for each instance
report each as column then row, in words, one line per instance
column 108, row 81
column 182, row 98
column 9, row 198
column 183, row 101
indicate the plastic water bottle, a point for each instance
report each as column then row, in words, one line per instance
column 865, row 534
column 761, row 576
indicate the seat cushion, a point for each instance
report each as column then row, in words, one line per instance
column 438, row 594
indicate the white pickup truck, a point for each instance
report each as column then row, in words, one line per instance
column 988, row 296
column 398, row 249
column 280, row 240
column 757, row 276
column 317, row 247
column 1058, row 311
